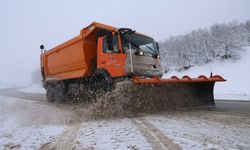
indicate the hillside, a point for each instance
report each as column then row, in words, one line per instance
column 200, row 46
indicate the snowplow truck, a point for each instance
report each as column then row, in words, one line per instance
column 92, row 63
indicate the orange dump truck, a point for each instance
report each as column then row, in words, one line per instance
column 102, row 55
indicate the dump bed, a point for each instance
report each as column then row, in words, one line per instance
column 74, row 58
column 69, row 60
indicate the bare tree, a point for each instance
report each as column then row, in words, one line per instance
column 203, row 45
column 247, row 27
column 228, row 39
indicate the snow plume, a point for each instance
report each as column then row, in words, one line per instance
column 129, row 99
column 111, row 104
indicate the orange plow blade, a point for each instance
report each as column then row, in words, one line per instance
column 175, row 79
column 175, row 92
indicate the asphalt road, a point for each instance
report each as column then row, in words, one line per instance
column 13, row 92
column 236, row 107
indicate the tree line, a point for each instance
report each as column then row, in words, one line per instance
column 220, row 41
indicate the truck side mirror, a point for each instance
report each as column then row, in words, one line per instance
column 109, row 41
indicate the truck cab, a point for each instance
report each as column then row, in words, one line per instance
column 128, row 53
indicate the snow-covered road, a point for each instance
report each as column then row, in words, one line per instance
column 27, row 121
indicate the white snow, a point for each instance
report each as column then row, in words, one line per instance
column 111, row 134
column 235, row 72
column 29, row 124
column 204, row 130
column 27, row 137
column 32, row 124
column 21, row 127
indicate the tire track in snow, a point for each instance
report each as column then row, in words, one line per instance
column 151, row 139
column 154, row 136
column 66, row 141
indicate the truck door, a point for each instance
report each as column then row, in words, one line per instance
column 111, row 59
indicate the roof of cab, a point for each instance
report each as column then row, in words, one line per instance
column 93, row 27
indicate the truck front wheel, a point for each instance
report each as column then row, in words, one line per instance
column 50, row 93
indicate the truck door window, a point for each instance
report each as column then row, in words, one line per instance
column 115, row 42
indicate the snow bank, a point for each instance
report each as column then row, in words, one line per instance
column 235, row 72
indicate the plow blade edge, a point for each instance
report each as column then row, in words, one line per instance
column 175, row 92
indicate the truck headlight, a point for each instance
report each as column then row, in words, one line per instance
column 141, row 53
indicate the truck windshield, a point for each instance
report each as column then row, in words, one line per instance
column 139, row 42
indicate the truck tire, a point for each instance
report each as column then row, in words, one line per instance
column 59, row 94
column 50, row 93
column 104, row 79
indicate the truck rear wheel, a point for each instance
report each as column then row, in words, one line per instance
column 50, row 93
column 59, row 94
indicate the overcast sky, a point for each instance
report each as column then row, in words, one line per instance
column 25, row 24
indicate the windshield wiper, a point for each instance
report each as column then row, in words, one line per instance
column 130, row 41
column 151, row 49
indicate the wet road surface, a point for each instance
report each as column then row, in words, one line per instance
column 222, row 106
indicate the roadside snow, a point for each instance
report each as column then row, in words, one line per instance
column 35, row 88
column 235, row 72
column 27, row 137
column 204, row 130
column 21, row 126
